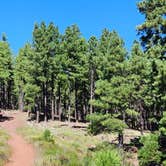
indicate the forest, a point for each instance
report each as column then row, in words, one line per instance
column 66, row 77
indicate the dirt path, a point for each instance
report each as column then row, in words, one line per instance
column 22, row 152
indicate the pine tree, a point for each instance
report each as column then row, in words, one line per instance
column 93, row 55
column 106, row 123
column 25, row 82
column 75, row 52
column 112, row 55
column 6, row 75
column 153, row 30
column 139, row 75
column 45, row 43
column 152, row 36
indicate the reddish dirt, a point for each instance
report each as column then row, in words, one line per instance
column 22, row 153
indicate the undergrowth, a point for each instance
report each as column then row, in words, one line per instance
column 61, row 149
column 4, row 148
column 68, row 147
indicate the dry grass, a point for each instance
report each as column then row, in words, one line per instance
column 4, row 148
column 71, row 142
column 70, row 146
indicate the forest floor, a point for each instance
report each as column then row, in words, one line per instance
column 74, row 136
column 22, row 153
column 68, row 137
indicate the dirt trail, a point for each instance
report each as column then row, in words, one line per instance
column 22, row 153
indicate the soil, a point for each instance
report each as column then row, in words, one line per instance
column 22, row 153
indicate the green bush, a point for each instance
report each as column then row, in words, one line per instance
column 106, row 158
column 113, row 125
column 164, row 163
column 162, row 124
column 47, row 136
column 105, row 123
column 104, row 154
column 149, row 154
column 95, row 126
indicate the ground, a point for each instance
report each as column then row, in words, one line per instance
column 68, row 137
column 22, row 152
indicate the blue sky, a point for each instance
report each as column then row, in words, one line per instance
column 18, row 17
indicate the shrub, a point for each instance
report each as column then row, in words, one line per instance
column 106, row 158
column 95, row 126
column 104, row 154
column 47, row 136
column 105, row 123
column 164, row 163
column 149, row 154
column 162, row 124
column 113, row 125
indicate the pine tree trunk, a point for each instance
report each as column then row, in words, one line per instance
column 91, row 89
column 6, row 99
column 55, row 106
column 3, row 96
column 76, row 103
column 69, row 112
column 45, row 102
column 59, row 104
column 29, row 113
column 21, row 100
column 69, row 106
column 0, row 94
column 12, row 103
column 37, row 108
column 120, row 140
column 145, row 120
column 84, row 112
column 60, row 109
column 9, row 95
column 124, row 115
column 84, row 103
column 141, row 118
column 65, row 102
column 37, row 116
column 52, row 108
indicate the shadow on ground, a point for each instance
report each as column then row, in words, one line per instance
column 6, row 118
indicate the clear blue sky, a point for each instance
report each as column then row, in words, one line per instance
column 18, row 17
